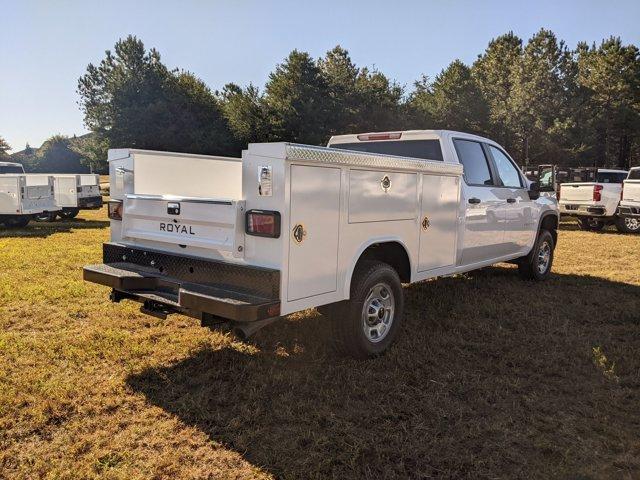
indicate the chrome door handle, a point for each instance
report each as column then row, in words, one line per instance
column 474, row 200
column 511, row 200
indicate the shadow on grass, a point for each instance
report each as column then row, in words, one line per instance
column 44, row 229
column 490, row 377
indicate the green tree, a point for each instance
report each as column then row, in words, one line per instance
column 245, row 112
column 540, row 100
column 131, row 99
column 453, row 101
column 93, row 150
column 494, row 73
column 610, row 74
column 56, row 156
column 359, row 99
column 4, row 148
column 297, row 101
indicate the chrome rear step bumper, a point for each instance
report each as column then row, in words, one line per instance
column 169, row 283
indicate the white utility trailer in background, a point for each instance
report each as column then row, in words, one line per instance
column 24, row 196
column 291, row 227
column 74, row 192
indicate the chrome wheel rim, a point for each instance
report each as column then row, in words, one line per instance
column 378, row 312
column 632, row 223
column 544, row 257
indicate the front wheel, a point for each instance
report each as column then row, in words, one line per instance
column 366, row 325
column 537, row 265
column 628, row 224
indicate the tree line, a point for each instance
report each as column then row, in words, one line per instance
column 544, row 102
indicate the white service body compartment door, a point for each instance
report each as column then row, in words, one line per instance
column 438, row 222
column 313, row 231
column 376, row 196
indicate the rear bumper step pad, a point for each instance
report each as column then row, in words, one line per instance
column 144, row 284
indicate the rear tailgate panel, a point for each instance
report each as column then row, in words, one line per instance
column 576, row 192
column 208, row 224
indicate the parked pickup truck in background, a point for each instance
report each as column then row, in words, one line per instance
column 629, row 209
column 291, row 227
column 595, row 202
column 24, row 196
column 74, row 192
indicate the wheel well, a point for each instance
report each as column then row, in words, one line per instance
column 391, row 253
column 550, row 224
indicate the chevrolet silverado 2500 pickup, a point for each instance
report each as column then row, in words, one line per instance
column 629, row 209
column 291, row 227
column 595, row 202
column 23, row 196
column 74, row 192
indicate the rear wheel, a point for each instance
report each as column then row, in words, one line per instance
column 537, row 265
column 366, row 325
column 628, row 224
column 46, row 217
column 17, row 222
column 590, row 224
column 69, row 212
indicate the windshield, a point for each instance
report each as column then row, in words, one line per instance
column 11, row 169
column 426, row 149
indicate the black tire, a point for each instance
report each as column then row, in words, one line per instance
column 46, row 217
column 628, row 224
column 69, row 212
column 529, row 266
column 348, row 318
column 17, row 222
column 590, row 224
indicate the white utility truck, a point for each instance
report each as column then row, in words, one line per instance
column 594, row 202
column 23, row 196
column 629, row 209
column 291, row 227
column 74, row 192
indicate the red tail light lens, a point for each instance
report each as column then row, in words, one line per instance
column 263, row 223
column 597, row 196
column 115, row 209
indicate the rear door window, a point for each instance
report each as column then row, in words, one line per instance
column 474, row 162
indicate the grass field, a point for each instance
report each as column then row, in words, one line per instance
column 492, row 377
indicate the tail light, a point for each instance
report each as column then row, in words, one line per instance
column 558, row 190
column 79, row 189
column 597, row 195
column 622, row 192
column 115, row 209
column 263, row 223
column 379, row 136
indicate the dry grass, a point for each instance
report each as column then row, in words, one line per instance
column 492, row 377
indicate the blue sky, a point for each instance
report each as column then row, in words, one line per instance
column 45, row 45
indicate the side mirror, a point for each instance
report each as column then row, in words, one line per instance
column 534, row 191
